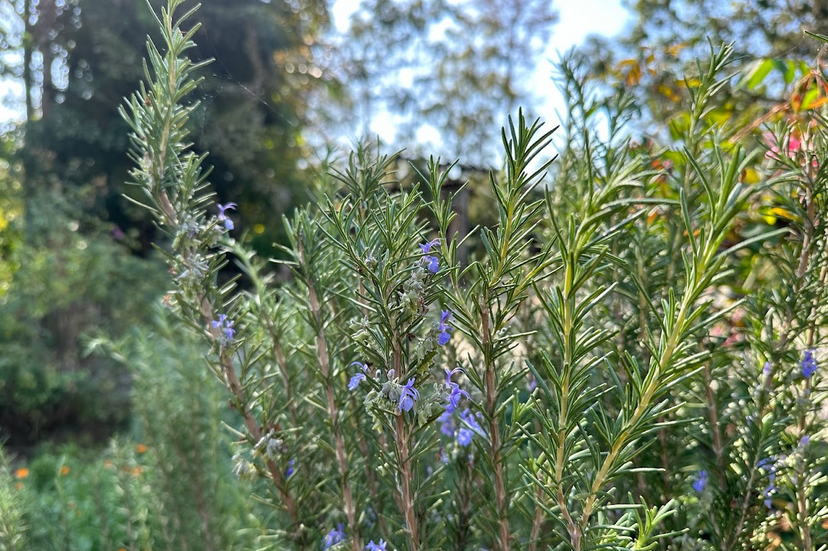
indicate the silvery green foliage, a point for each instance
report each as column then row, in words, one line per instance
column 595, row 377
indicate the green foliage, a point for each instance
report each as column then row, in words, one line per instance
column 168, row 486
column 69, row 284
column 253, row 121
column 13, row 527
column 668, row 336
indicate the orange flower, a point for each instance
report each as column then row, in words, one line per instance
column 64, row 470
column 140, row 448
column 136, row 471
column 21, row 473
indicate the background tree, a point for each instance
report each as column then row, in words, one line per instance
column 77, row 60
column 455, row 68
column 654, row 55
column 65, row 221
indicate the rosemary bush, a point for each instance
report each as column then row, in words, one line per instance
column 629, row 360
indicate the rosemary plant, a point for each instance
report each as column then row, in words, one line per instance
column 587, row 381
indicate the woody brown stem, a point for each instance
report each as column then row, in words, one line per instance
column 339, row 441
column 406, row 498
column 494, row 432
column 253, row 427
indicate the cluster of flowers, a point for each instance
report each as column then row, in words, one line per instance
column 403, row 395
column 412, row 295
column 337, row 535
column 191, row 275
column 225, row 325
column 809, row 365
column 468, row 427
column 406, row 395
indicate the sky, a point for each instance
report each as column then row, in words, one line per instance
column 577, row 19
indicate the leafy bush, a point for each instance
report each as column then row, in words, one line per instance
column 632, row 361
column 69, row 284
column 169, row 486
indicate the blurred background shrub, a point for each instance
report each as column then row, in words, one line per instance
column 165, row 484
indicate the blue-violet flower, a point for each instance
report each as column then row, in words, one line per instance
column 226, row 326
column 444, row 328
column 333, row 537
column 355, row 380
column 432, row 263
column 467, row 417
column 222, row 217
column 408, row 396
column 426, row 247
column 701, row 481
column 455, row 393
column 446, row 423
column 809, row 364
column 464, row 436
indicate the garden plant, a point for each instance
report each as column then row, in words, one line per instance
column 629, row 359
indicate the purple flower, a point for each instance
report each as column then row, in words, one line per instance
column 454, row 397
column 533, row 384
column 469, row 419
column 226, row 326
column 355, row 380
column 376, row 546
column 700, row 482
column 444, row 328
column 455, row 393
column 804, row 440
column 408, row 396
column 464, row 436
column 222, row 217
column 767, row 369
column 362, row 366
column 333, row 537
column 432, row 263
column 446, row 423
column 426, row 247
column 289, row 470
column 809, row 364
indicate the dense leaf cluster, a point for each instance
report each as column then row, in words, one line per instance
column 629, row 359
